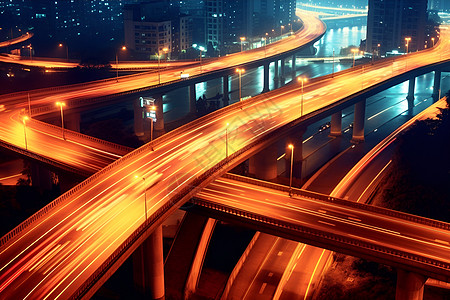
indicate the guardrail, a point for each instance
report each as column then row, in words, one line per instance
column 87, row 138
column 343, row 202
column 318, row 234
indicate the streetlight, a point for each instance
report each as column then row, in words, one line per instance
column 61, row 105
column 302, row 80
column 153, row 108
column 226, row 140
column 31, row 54
column 265, row 44
column 24, row 119
column 117, row 63
column 432, row 39
column 354, row 50
column 242, row 40
column 378, row 50
column 201, row 48
column 145, row 195
column 281, row 30
column 240, row 71
column 67, row 50
column 407, row 39
column 159, row 63
column 292, row 164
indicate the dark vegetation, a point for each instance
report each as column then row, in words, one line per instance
column 419, row 178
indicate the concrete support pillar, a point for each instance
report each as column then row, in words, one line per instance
column 410, row 97
column 293, row 67
column 437, row 85
column 266, row 78
column 276, row 79
column 148, row 266
column 358, row 123
column 192, row 100
column 41, row 177
column 72, row 121
column 159, row 124
column 226, row 90
column 282, row 72
column 263, row 165
column 409, row 285
column 297, row 141
column 138, row 118
column 336, row 124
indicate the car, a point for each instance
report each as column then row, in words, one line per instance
column 324, row 126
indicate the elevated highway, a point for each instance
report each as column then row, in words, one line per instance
column 71, row 246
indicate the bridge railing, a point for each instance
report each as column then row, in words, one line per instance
column 87, row 139
column 343, row 202
column 319, row 235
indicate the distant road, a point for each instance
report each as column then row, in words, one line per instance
column 16, row 40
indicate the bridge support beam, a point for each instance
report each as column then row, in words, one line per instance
column 437, row 85
column 72, row 121
column 293, row 67
column 263, row 165
column 410, row 97
column 336, row 124
column 276, row 79
column 358, row 123
column 148, row 266
column 138, row 118
column 282, row 72
column 409, row 285
column 226, row 90
column 297, row 141
column 192, row 100
column 266, row 78
column 159, row 124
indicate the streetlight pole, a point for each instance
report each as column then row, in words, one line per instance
column 378, row 50
column 117, row 63
column 201, row 48
column 281, row 30
column 432, row 39
column 159, row 64
column 292, row 164
column 240, row 71
column 354, row 50
column 24, row 119
column 333, row 65
column 407, row 39
column 61, row 104
column 242, row 40
column 31, row 53
column 302, row 80
column 67, row 51
column 226, row 140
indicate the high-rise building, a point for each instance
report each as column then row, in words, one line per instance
column 229, row 20
column 151, row 27
column 389, row 23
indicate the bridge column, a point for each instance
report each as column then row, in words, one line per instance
column 41, row 177
column 148, row 266
column 436, row 85
column 282, row 74
column 226, row 90
column 293, row 67
column 266, row 78
column 138, row 118
column 159, row 124
column 358, row 123
column 192, row 100
column 409, row 285
column 336, row 124
column 263, row 165
column 410, row 97
column 72, row 121
column 275, row 71
column 297, row 141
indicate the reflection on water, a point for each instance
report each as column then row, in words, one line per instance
column 335, row 39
